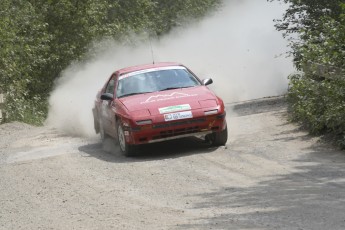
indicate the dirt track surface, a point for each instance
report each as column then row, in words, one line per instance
column 271, row 175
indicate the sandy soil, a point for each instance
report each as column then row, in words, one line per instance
column 271, row 175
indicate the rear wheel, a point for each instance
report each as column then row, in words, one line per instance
column 219, row 138
column 127, row 149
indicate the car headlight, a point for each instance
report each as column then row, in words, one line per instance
column 211, row 112
column 144, row 122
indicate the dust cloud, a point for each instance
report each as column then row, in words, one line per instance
column 237, row 46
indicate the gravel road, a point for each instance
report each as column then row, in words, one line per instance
column 271, row 175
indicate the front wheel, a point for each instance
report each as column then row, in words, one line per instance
column 102, row 133
column 127, row 149
column 218, row 138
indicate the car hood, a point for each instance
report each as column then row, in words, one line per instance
column 163, row 101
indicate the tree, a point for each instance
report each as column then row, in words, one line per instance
column 23, row 50
column 302, row 18
column 40, row 38
column 317, row 94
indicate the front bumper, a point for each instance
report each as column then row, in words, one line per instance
column 199, row 134
column 176, row 129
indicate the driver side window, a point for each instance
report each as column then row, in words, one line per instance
column 111, row 86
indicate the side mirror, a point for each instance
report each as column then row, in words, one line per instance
column 207, row 81
column 107, row 97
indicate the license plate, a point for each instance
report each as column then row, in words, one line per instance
column 178, row 116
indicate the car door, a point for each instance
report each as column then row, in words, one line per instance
column 107, row 114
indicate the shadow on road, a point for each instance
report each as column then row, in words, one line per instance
column 109, row 151
column 310, row 197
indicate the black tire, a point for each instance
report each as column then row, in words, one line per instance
column 95, row 120
column 219, row 138
column 126, row 149
column 102, row 133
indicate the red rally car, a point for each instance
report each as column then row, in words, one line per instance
column 158, row 102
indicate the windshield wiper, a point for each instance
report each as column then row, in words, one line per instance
column 131, row 94
column 169, row 88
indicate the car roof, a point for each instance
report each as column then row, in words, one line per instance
column 146, row 66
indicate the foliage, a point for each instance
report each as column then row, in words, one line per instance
column 40, row 38
column 319, row 106
column 304, row 14
column 302, row 17
column 317, row 94
column 24, row 49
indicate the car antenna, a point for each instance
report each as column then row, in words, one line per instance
column 153, row 60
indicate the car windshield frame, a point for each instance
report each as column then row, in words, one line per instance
column 154, row 80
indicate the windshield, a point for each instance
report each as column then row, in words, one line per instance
column 155, row 80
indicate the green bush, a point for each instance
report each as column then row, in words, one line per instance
column 32, row 111
column 319, row 106
column 317, row 94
